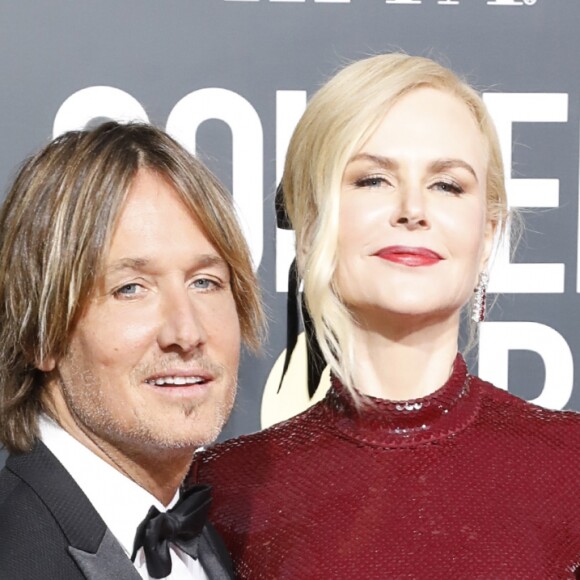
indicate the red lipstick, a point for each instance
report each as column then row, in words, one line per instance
column 411, row 256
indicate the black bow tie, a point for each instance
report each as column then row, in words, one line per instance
column 181, row 526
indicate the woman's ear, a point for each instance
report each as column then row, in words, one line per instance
column 488, row 243
column 301, row 257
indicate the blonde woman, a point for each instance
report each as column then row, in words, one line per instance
column 410, row 467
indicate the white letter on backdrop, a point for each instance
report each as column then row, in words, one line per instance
column 91, row 102
column 247, row 151
column 289, row 108
column 496, row 339
column 506, row 109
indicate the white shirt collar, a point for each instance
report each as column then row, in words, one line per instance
column 119, row 501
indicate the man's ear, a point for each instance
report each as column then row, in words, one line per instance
column 46, row 365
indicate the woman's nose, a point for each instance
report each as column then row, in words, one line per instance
column 411, row 211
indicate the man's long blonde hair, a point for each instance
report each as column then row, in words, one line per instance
column 56, row 225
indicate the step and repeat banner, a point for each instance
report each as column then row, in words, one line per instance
column 230, row 78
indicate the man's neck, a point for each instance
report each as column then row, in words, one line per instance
column 160, row 471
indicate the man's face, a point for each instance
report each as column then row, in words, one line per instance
column 153, row 360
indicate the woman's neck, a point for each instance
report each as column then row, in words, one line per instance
column 404, row 362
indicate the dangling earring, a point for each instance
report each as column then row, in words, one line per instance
column 478, row 312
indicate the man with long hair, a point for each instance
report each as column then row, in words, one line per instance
column 126, row 288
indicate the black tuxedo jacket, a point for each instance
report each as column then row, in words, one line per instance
column 50, row 530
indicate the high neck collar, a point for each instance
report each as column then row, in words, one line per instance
column 410, row 423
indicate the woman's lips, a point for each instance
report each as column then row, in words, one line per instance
column 409, row 255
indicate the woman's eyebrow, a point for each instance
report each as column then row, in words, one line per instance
column 434, row 166
column 446, row 164
column 380, row 160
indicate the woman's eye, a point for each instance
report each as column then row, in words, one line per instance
column 449, row 187
column 372, row 181
column 128, row 290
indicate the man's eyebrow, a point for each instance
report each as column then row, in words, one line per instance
column 209, row 260
column 135, row 264
column 140, row 264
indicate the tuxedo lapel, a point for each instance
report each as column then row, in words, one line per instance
column 214, row 556
column 91, row 545
column 110, row 561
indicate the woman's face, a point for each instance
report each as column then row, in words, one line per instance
column 413, row 233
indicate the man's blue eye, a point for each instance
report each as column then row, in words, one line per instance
column 208, row 284
column 127, row 290
column 203, row 283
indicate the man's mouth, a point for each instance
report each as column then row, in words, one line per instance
column 176, row 380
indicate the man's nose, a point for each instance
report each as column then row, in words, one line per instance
column 182, row 326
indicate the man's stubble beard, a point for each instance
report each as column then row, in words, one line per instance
column 91, row 413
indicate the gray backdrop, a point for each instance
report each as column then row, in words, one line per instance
column 230, row 77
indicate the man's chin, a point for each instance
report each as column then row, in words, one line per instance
column 204, row 433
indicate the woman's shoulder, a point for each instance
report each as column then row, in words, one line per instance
column 280, row 439
column 515, row 414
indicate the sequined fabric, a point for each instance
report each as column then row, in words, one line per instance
column 470, row 482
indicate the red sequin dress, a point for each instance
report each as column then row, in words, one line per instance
column 470, row 482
